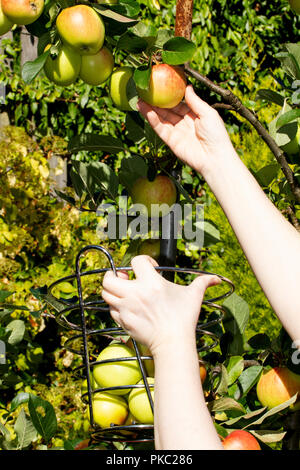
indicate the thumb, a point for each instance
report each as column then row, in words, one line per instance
column 195, row 103
column 202, row 282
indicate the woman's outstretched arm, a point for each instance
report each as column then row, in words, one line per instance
column 196, row 134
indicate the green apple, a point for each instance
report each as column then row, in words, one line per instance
column 139, row 404
column 108, row 2
column 118, row 373
column 22, row 12
column 293, row 147
column 295, row 5
column 152, row 194
column 64, row 69
column 166, row 87
column 5, row 23
column 82, row 28
column 118, row 86
column 97, row 68
column 278, row 385
column 240, row 440
column 109, row 409
column 150, row 248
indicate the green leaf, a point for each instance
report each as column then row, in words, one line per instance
column 287, row 117
column 163, row 35
column 177, row 51
column 290, row 59
column 260, row 341
column 4, row 294
column 18, row 400
column 132, row 168
column 249, row 377
column 129, row 42
column 32, row 68
column 267, row 174
column 44, row 295
column 142, row 76
column 130, row 8
column 235, row 322
column 234, row 367
column 16, row 328
column 273, row 411
column 223, row 381
column 225, row 404
column 268, row 436
column 135, row 127
column 270, row 95
column 43, row 417
column 94, row 142
column 24, row 429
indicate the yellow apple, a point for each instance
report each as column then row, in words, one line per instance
column 166, row 87
column 97, row 68
column 109, row 409
column 118, row 373
column 108, row 2
column 5, row 23
column 278, row 385
column 82, row 28
column 144, row 351
column 64, row 69
column 118, row 85
column 139, row 404
column 22, row 12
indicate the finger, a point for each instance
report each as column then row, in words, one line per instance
column 123, row 274
column 195, row 103
column 143, row 267
column 168, row 115
column 115, row 314
column 112, row 300
column 116, row 285
column 162, row 128
column 181, row 109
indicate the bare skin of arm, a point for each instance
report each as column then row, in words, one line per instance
column 270, row 243
column 167, row 327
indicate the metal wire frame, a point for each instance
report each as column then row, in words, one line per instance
column 133, row 432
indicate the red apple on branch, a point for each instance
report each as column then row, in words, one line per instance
column 22, row 12
column 166, row 87
column 240, row 440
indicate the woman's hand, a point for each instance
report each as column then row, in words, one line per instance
column 193, row 130
column 151, row 309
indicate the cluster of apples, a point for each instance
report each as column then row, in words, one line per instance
column 21, row 12
column 121, row 406
column 128, row 405
column 82, row 54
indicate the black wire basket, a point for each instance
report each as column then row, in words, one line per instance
column 136, row 431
